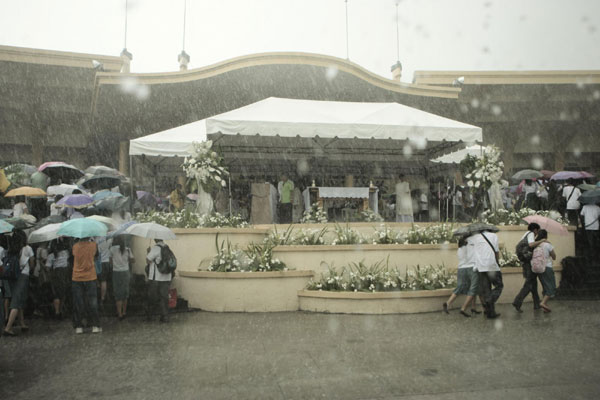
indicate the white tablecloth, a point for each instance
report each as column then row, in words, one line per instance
column 344, row 192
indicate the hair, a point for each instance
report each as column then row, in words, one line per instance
column 462, row 241
column 119, row 241
column 571, row 181
column 533, row 226
column 542, row 234
column 18, row 241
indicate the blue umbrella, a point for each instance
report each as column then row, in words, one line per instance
column 121, row 229
column 105, row 194
column 82, row 228
column 5, row 227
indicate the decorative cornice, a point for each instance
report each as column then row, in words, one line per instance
column 61, row 58
column 582, row 77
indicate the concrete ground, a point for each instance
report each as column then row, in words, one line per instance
column 299, row 355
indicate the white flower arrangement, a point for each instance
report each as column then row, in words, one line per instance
column 379, row 277
column 512, row 217
column 346, row 235
column 188, row 219
column 508, row 259
column 485, row 170
column 385, row 235
column 315, row 215
column 432, row 234
column 256, row 258
column 205, row 165
column 369, row 215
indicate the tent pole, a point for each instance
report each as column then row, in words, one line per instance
column 131, row 201
column 230, row 200
column 439, row 201
column 453, row 204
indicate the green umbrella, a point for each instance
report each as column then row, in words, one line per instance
column 586, row 187
column 590, row 197
column 5, row 227
column 82, row 228
column 527, row 174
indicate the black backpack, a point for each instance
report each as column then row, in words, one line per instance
column 168, row 261
column 10, row 269
column 523, row 251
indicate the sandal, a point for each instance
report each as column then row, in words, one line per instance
column 545, row 308
column 8, row 333
column 465, row 314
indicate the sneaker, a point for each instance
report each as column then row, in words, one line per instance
column 78, row 330
column 96, row 329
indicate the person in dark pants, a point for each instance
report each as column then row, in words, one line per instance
column 158, row 284
column 483, row 250
column 530, row 284
column 84, row 286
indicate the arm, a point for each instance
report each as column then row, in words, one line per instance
column 535, row 244
column 553, row 255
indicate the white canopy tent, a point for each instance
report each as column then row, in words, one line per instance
column 291, row 118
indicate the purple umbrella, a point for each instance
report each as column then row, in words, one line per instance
column 564, row 175
column 146, row 198
column 76, row 201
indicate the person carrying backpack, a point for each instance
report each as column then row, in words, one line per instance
column 159, row 280
column 524, row 253
column 541, row 265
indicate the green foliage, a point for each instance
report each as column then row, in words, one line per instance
column 346, row 235
column 315, row 215
column 189, row 219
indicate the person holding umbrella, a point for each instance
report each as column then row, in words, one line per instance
column 572, row 194
column 158, row 283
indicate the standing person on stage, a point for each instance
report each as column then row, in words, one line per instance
column 530, row 284
column 571, row 193
column 404, row 208
column 423, row 207
column 84, row 285
column 158, row 283
column 483, row 250
column 177, row 198
column 285, row 188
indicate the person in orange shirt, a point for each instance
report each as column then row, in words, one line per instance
column 84, row 285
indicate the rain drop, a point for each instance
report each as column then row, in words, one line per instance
column 143, row 92
column 498, row 325
column 535, row 140
column 577, row 152
column 475, row 103
column 302, row 167
column 331, row 73
column 596, row 95
column 464, row 108
column 537, row 163
column 496, row 110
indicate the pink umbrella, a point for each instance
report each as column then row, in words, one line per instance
column 548, row 224
column 564, row 175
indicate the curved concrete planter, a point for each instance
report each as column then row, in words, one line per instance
column 242, row 291
column 316, row 258
column 404, row 302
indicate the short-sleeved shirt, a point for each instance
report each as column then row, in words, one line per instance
column 590, row 213
column 547, row 248
column 20, row 209
column 481, row 253
column 60, row 260
column 84, row 269
column 104, row 249
column 530, row 237
column 154, row 258
column 423, row 202
column 285, row 191
column 572, row 200
column 26, row 254
column 463, row 258
column 120, row 261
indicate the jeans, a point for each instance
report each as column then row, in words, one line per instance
column 530, row 285
column 85, row 301
column 158, row 292
column 285, row 213
column 490, row 295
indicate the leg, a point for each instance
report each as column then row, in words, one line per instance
column 163, row 294
column 78, row 306
column 496, row 281
column 451, row 300
column 102, row 291
column 124, row 312
column 151, row 298
column 92, row 298
column 468, row 301
column 12, row 316
column 119, row 305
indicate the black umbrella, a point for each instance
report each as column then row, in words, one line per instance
column 113, row 203
column 20, row 223
column 473, row 228
column 53, row 219
column 100, row 181
column 58, row 169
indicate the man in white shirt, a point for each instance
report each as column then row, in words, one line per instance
column 571, row 193
column 482, row 249
column 590, row 214
column 423, row 207
column 158, row 283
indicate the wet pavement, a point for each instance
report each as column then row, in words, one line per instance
column 201, row 355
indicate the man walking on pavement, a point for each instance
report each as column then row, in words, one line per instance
column 483, row 250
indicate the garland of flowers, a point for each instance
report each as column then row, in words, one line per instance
column 205, row 165
column 189, row 219
column 379, row 277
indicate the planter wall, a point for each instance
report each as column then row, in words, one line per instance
column 195, row 245
column 400, row 255
column 405, row 302
column 243, row 291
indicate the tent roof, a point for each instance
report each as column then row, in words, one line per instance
column 459, row 155
column 277, row 117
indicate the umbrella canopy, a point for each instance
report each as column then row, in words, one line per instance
column 473, row 228
column 40, row 180
column 527, row 174
column 151, row 230
column 590, row 197
column 82, row 228
column 586, row 187
column 564, row 175
column 62, row 189
column 59, row 169
column 53, row 219
column 121, row 229
column 146, row 198
column 109, row 222
column 25, row 191
column 113, row 203
column 103, row 194
column 100, row 181
column 548, row 224
column 45, row 233
column 547, row 174
column 102, row 170
column 5, row 227
column 22, row 222
column 75, row 201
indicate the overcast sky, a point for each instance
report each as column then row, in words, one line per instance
column 434, row 34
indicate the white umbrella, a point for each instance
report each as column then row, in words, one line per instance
column 110, row 223
column 45, row 233
column 62, row 189
column 151, row 230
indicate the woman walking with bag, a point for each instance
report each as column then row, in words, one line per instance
column 541, row 264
